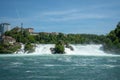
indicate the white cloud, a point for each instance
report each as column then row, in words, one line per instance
column 70, row 15
column 59, row 12
column 82, row 13
column 96, row 11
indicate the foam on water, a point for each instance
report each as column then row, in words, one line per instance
column 21, row 51
column 43, row 48
column 91, row 49
column 87, row 50
column 83, row 50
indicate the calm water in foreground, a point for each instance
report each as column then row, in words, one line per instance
column 59, row 67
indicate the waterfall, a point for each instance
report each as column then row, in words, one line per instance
column 43, row 48
column 79, row 49
column 21, row 50
column 90, row 49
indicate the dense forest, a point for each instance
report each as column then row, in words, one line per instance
column 52, row 38
column 111, row 41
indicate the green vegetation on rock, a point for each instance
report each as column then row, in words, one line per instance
column 29, row 48
column 113, row 41
column 22, row 36
column 59, row 48
column 8, row 48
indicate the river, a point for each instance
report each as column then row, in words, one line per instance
column 59, row 67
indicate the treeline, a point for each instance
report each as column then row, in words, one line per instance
column 23, row 36
column 110, row 41
column 113, row 41
column 51, row 38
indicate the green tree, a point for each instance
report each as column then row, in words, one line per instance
column 29, row 47
column 59, row 47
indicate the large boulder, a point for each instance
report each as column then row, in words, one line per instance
column 59, row 48
column 68, row 46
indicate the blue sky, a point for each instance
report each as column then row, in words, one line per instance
column 67, row 16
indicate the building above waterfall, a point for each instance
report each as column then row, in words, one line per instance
column 30, row 30
column 4, row 27
column 8, row 39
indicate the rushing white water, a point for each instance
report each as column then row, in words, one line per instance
column 78, row 49
column 21, row 51
column 43, row 48
column 90, row 49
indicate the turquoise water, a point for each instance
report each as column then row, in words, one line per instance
column 59, row 67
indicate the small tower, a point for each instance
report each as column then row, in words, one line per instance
column 21, row 27
column 21, row 32
column 4, row 27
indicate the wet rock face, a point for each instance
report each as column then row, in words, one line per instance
column 70, row 47
column 59, row 51
column 52, row 50
column 59, row 48
column 56, row 51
